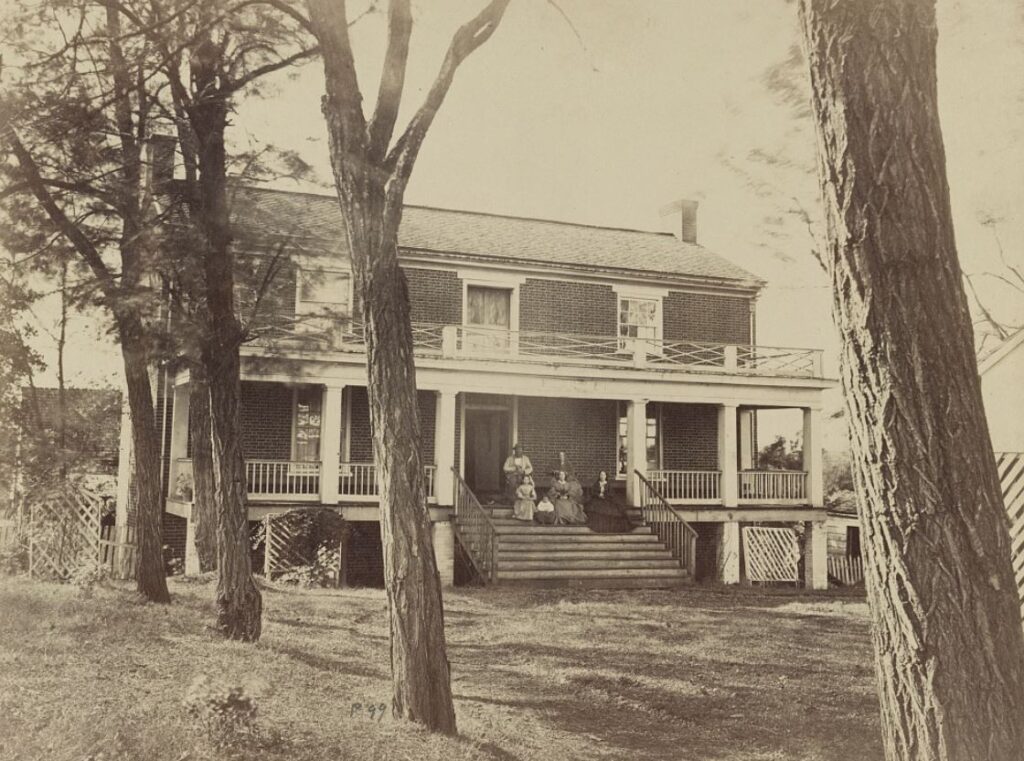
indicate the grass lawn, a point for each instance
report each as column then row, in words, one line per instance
column 698, row 673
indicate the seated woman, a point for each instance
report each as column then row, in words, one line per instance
column 606, row 514
column 566, row 495
column 525, row 504
column 545, row 513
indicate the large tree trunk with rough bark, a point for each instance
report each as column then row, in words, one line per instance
column 421, row 678
column 204, row 510
column 949, row 649
column 239, row 603
column 151, row 577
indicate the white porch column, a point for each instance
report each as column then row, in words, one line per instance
column 444, row 448
column 729, row 553
column 330, row 443
column 636, row 447
column 746, row 439
column 727, row 454
column 191, row 556
column 812, row 459
column 815, row 555
column 442, row 535
column 125, row 456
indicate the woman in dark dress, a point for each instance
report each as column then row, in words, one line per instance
column 606, row 514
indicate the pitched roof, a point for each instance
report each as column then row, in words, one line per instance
column 477, row 235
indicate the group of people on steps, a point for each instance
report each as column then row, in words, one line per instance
column 564, row 503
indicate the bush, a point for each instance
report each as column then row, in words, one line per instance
column 14, row 556
column 224, row 713
column 88, row 576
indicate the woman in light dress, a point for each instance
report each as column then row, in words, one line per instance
column 525, row 504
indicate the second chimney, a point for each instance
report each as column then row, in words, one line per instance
column 685, row 211
column 160, row 159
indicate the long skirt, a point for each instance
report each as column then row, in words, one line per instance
column 546, row 518
column 523, row 508
column 569, row 512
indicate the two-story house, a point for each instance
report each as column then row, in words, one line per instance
column 618, row 350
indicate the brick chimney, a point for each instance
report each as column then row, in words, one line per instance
column 685, row 212
column 161, row 153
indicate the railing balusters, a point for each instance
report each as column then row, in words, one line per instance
column 670, row 526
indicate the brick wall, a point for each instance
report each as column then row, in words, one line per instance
column 689, row 436
column 277, row 304
column 585, row 429
column 361, row 441
column 566, row 306
column 174, row 537
column 706, row 317
column 266, row 412
column 434, row 295
column 709, row 536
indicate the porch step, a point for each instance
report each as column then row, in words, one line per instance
column 551, row 535
column 603, row 582
column 554, row 565
column 675, row 574
column 554, row 553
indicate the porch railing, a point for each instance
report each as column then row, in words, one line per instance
column 357, row 481
column 670, row 527
column 475, row 531
column 773, row 486
column 282, row 479
column 680, row 487
column 482, row 342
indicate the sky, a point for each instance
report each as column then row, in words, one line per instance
column 632, row 104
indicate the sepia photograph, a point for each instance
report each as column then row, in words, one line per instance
column 511, row 380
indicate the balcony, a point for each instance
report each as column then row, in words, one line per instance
column 294, row 481
column 755, row 487
column 462, row 342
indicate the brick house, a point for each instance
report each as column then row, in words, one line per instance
column 625, row 351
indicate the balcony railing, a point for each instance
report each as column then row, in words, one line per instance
column 768, row 487
column 476, row 342
column 295, row 481
column 681, row 487
column 288, row 480
column 357, row 481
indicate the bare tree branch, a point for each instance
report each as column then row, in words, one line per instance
column 392, row 79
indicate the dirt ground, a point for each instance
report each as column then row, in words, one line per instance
column 697, row 673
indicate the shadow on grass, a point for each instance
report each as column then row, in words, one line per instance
column 322, row 663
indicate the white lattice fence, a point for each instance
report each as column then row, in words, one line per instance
column 1011, row 478
column 284, row 548
column 771, row 554
column 64, row 531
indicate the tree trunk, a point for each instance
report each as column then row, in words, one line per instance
column 151, row 577
column 204, row 512
column 421, row 679
column 239, row 603
column 948, row 643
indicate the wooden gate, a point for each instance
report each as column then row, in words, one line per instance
column 771, row 554
column 64, row 531
column 1011, row 478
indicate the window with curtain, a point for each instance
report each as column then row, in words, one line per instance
column 489, row 309
column 652, row 438
column 307, row 424
column 638, row 319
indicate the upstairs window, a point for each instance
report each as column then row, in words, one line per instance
column 639, row 319
column 488, row 318
column 324, row 300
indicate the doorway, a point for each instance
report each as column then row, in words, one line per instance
column 488, row 442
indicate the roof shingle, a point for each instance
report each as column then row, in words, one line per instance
column 259, row 211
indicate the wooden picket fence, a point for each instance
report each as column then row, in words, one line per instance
column 771, row 554
column 847, row 571
column 118, row 551
column 8, row 531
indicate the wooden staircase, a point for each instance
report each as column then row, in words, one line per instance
column 575, row 556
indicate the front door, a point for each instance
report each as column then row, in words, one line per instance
column 487, row 446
